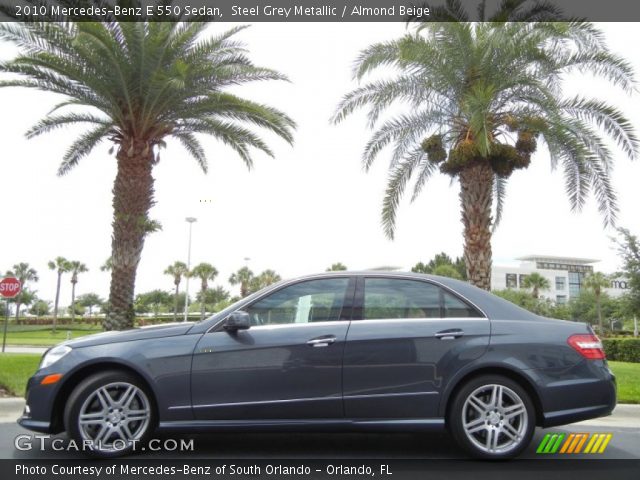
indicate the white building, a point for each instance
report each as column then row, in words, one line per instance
column 565, row 274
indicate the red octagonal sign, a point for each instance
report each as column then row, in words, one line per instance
column 9, row 287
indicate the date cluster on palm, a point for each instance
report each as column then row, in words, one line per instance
column 502, row 157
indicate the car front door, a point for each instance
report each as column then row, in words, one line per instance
column 287, row 365
column 412, row 336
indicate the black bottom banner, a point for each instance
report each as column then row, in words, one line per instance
column 387, row 469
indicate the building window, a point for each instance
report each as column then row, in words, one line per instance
column 575, row 283
column 521, row 280
column 511, row 280
column 561, row 283
column 561, row 299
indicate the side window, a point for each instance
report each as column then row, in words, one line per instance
column 386, row 298
column 454, row 307
column 305, row 302
column 397, row 298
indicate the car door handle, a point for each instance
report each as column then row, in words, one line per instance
column 321, row 341
column 449, row 334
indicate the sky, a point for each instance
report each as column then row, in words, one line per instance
column 310, row 206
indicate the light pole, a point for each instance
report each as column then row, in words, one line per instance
column 191, row 221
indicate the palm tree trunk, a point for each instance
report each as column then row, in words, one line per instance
column 73, row 303
column 18, row 303
column 55, row 306
column 175, row 303
column 203, row 292
column 476, row 197
column 132, row 199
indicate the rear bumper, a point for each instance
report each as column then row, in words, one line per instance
column 577, row 399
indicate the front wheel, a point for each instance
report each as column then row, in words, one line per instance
column 492, row 417
column 111, row 413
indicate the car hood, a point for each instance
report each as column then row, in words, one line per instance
column 141, row 333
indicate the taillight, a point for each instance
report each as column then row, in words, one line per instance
column 589, row 346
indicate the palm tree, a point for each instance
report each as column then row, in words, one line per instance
column 205, row 272
column 244, row 277
column 336, row 267
column 75, row 267
column 266, row 278
column 25, row 274
column 536, row 282
column 177, row 271
column 137, row 84
column 595, row 282
column 61, row 266
column 481, row 96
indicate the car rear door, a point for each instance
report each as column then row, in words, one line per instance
column 287, row 365
column 408, row 337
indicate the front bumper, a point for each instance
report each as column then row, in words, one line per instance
column 40, row 406
column 35, row 425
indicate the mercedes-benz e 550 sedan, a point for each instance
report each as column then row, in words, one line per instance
column 340, row 351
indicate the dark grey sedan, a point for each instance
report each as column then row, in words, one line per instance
column 333, row 352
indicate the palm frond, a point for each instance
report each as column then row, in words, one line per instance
column 398, row 178
column 52, row 122
column 193, row 146
column 82, row 147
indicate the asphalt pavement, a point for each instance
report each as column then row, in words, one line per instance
column 624, row 425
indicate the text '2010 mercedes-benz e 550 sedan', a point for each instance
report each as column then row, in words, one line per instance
column 340, row 351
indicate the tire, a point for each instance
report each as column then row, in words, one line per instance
column 492, row 417
column 117, row 410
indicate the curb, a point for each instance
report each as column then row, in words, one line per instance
column 11, row 402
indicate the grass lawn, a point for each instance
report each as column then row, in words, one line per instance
column 16, row 368
column 628, row 378
column 46, row 337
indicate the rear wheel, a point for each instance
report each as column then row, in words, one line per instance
column 492, row 417
column 111, row 412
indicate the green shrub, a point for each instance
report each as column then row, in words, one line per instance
column 622, row 349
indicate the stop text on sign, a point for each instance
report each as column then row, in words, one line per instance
column 9, row 287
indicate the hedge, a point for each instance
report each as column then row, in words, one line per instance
column 622, row 349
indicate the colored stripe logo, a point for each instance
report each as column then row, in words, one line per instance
column 574, row 443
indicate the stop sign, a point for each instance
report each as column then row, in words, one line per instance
column 9, row 287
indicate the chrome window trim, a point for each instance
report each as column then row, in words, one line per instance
column 276, row 326
column 414, row 320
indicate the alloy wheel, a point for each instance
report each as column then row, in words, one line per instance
column 494, row 419
column 114, row 416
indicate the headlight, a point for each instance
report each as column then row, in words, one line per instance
column 53, row 355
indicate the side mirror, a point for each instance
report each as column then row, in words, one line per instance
column 237, row 321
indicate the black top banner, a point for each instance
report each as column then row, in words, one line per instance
column 320, row 10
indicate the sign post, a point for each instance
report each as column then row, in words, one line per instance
column 9, row 288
